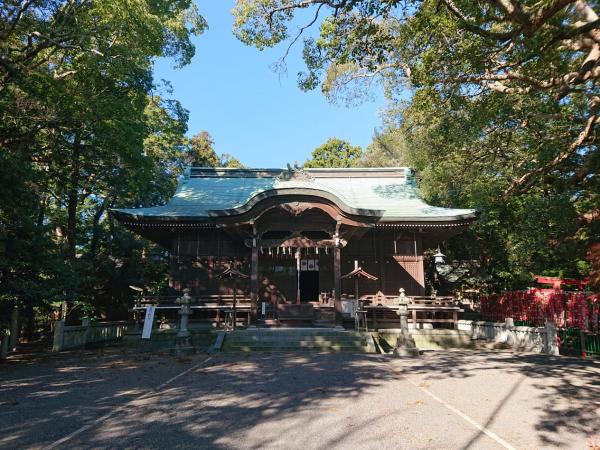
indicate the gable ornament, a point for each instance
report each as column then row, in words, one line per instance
column 294, row 173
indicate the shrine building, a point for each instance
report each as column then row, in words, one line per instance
column 301, row 236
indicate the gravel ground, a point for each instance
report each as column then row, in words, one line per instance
column 451, row 399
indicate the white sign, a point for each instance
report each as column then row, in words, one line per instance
column 309, row 264
column 148, row 322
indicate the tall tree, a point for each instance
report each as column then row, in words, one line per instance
column 388, row 148
column 75, row 93
column 201, row 151
column 334, row 153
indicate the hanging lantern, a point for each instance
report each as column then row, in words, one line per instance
column 439, row 257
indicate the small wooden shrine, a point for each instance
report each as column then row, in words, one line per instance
column 295, row 233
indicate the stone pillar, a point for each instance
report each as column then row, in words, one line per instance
column 14, row 329
column 59, row 330
column 184, row 313
column 87, row 323
column 509, row 326
column 551, row 339
column 337, row 283
column 254, row 278
column 405, row 344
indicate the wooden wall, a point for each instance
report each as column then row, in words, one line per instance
column 396, row 266
column 197, row 257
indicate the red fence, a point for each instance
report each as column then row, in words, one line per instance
column 568, row 309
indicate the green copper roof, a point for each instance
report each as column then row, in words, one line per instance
column 389, row 194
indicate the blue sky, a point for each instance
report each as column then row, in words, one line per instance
column 252, row 112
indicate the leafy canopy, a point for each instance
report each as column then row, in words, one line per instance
column 334, row 153
column 84, row 128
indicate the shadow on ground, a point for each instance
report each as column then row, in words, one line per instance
column 231, row 396
column 567, row 389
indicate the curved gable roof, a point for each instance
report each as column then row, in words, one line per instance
column 388, row 194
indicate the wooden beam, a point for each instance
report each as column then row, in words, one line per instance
column 254, row 274
column 337, row 284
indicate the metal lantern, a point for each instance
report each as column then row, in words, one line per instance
column 439, row 257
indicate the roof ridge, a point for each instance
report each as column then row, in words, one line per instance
column 310, row 169
column 321, row 172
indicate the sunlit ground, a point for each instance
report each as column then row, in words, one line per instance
column 452, row 399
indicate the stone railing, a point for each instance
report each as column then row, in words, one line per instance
column 532, row 339
column 88, row 332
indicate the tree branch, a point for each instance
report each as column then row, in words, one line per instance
column 470, row 25
column 527, row 179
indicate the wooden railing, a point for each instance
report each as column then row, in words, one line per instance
column 379, row 311
column 213, row 299
column 217, row 308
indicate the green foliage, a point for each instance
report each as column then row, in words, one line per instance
column 334, row 153
column 387, row 149
column 462, row 161
column 230, row 161
column 201, row 152
column 80, row 133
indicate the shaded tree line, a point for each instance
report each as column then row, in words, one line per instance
column 84, row 128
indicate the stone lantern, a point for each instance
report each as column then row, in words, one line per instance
column 183, row 345
column 405, row 344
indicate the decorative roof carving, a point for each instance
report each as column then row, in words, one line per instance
column 294, row 173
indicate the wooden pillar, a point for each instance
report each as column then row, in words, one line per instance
column 254, row 280
column 337, row 284
column 298, row 256
column 235, row 303
column 382, row 251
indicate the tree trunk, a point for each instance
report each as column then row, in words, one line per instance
column 30, row 319
column 96, row 228
column 41, row 211
column 72, row 201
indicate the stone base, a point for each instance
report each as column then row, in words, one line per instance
column 436, row 339
column 411, row 352
column 405, row 346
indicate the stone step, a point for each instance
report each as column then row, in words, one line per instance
column 295, row 332
column 292, row 341
column 234, row 338
column 295, row 339
column 294, row 344
column 324, row 348
column 292, row 338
